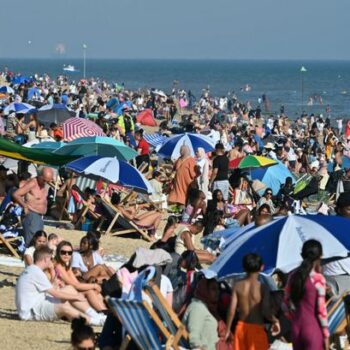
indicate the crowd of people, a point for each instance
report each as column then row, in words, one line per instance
column 204, row 194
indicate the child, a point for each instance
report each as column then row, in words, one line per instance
column 52, row 242
column 252, row 300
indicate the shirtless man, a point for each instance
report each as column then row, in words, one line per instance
column 252, row 300
column 32, row 197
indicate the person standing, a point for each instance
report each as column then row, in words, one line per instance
column 185, row 173
column 203, row 178
column 32, row 197
column 127, row 126
column 142, row 149
column 306, row 300
column 219, row 176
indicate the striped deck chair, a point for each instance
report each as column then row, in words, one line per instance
column 142, row 325
column 167, row 314
column 337, row 321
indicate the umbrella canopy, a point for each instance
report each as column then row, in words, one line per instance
column 345, row 164
column 273, row 242
column 54, row 113
column 49, row 145
column 171, row 146
column 74, row 128
column 7, row 90
column 19, row 79
column 251, row 161
column 33, row 92
column 273, row 176
column 155, row 140
column 99, row 146
column 112, row 170
column 18, row 107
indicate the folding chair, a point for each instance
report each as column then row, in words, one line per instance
column 167, row 314
column 7, row 243
column 126, row 225
column 142, row 325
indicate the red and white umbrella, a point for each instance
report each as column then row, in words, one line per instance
column 74, row 128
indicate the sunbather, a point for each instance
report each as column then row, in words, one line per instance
column 144, row 220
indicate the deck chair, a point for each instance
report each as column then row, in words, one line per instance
column 7, row 242
column 142, row 325
column 336, row 312
column 126, row 225
column 167, row 314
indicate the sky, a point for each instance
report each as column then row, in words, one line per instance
column 177, row 29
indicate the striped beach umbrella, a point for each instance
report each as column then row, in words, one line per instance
column 280, row 241
column 18, row 107
column 74, row 128
column 7, row 89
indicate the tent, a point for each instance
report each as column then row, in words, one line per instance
column 13, row 150
column 146, row 118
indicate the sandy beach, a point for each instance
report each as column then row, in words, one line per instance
column 16, row 334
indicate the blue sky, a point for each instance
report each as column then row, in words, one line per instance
column 224, row 29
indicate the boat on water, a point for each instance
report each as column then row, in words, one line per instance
column 70, row 68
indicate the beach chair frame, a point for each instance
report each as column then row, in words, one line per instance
column 171, row 341
column 167, row 314
column 7, row 243
column 133, row 227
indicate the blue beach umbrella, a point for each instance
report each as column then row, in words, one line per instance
column 119, row 108
column 48, row 145
column 19, row 107
column 279, row 243
column 273, row 176
column 33, row 92
column 99, row 146
column 171, row 146
column 21, row 80
column 7, row 90
column 54, row 113
column 112, row 170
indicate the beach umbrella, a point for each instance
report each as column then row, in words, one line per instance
column 49, row 145
column 19, row 107
column 119, row 108
column 19, row 79
column 37, row 141
column 156, row 140
column 74, row 128
column 171, row 146
column 251, row 161
column 273, row 176
column 279, row 243
column 54, row 113
column 99, row 146
column 7, row 90
column 33, row 92
column 112, row 170
column 345, row 164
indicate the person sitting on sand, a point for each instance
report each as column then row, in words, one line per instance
column 65, row 275
column 185, row 241
column 148, row 219
column 39, row 239
column 38, row 300
column 252, row 300
column 167, row 242
column 87, row 264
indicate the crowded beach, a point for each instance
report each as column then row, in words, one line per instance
column 158, row 219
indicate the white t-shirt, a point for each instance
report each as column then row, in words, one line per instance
column 78, row 263
column 31, row 289
column 165, row 286
column 30, row 251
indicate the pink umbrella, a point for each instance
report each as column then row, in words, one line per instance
column 74, row 128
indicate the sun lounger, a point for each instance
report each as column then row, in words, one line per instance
column 125, row 225
column 143, row 325
column 7, row 242
column 167, row 315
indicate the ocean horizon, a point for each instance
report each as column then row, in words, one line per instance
column 280, row 80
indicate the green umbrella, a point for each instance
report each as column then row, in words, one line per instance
column 97, row 146
column 250, row 161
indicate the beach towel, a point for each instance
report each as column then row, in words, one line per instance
column 155, row 257
column 250, row 336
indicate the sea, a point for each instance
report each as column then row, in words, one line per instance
column 281, row 81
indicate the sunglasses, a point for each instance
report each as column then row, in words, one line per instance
column 66, row 252
column 269, row 193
